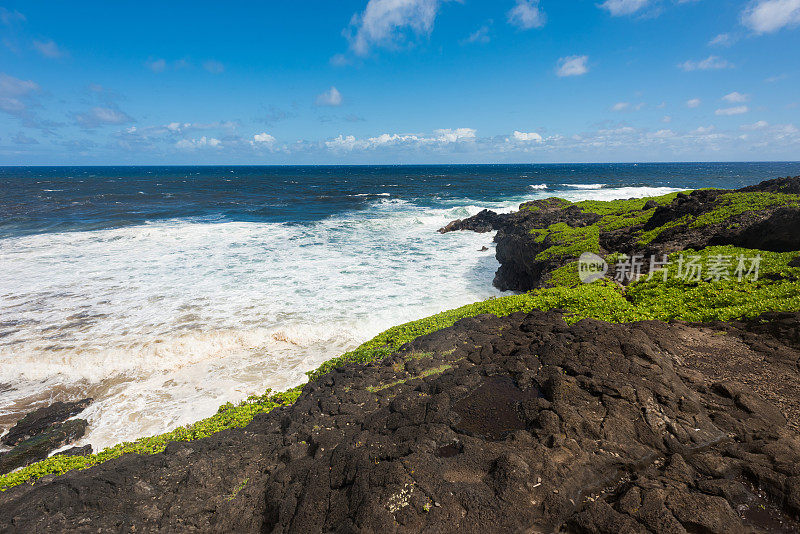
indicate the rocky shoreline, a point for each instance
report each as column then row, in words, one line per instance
column 532, row 421
column 43, row 431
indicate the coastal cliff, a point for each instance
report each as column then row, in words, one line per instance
column 547, row 234
column 657, row 405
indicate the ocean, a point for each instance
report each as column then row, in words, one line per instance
column 164, row 292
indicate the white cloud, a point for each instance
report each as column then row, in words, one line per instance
column 442, row 137
column 767, row 16
column 11, row 87
column 723, row 39
column 572, row 66
column 623, row 7
column 773, row 79
column 343, row 143
column 526, row 14
column 49, row 48
column 527, row 137
column 214, row 67
column 332, row 97
column 193, row 144
column 666, row 119
column 263, row 138
column 456, row 135
column 759, row 125
column 737, row 110
column 8, row 17
column 102, row 116
column 156, row 65
column 481, row 35
column 736, row 97
column 621, row 106
column 387, row 23
column 710, row 63
column 693, row 103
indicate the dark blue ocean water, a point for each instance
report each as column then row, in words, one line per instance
column 48, row 199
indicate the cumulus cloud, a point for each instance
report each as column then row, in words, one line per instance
column 102, row 116
column 767, row 16
column 263, row 138
column 214, row 67
column 621, row 106
column 454, row 136
column 49, row 49
column 202, row 142
column 440, row 138
column 693, row 103
column 709, row 63
column 526, row 14
column 572, row 66
column 736, row 110
column 526, row 137
column 736, row 97
column 184, row 127
column 618, row 8
column 332, row 98
column 390, row 23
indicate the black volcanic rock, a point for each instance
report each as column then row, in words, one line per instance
column 86, row 450
column 775, row 228
column 597, row 427
column 790, row 185
column 42, row 444
column 42, row 419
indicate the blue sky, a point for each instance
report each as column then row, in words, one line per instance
column 399, row 81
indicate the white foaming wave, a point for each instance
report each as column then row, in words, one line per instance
column 584, row 186
column 539, row 186
column 163, row 322
column 616, row 193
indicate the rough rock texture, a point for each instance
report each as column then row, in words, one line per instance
column 773, row 228
column 520, row 424
column 42, row 444
column 42, row 419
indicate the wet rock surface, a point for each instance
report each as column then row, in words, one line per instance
column 42, row 444
column 42, row 419
column 41, row 432
column 595, row 427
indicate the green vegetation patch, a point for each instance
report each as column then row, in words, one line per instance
column 228, row 416
column 649, row 236
column 546, row 203
column 568, row 242
column 733, row 204
column 623, row 207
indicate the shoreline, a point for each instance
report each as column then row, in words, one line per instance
column 546, row 232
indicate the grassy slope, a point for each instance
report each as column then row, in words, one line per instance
column 778, row 289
